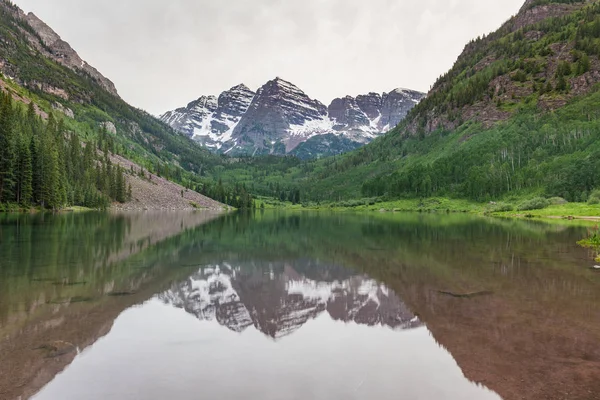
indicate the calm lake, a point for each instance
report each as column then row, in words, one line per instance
column 283, row 306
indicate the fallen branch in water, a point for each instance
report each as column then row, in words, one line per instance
column 120, row 294
column 466, row 295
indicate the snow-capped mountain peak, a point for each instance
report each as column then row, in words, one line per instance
column 211, row 120
column 279, row 118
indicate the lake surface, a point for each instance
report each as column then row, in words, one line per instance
column 284, row 306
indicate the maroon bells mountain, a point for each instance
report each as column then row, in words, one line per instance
column 281, row 119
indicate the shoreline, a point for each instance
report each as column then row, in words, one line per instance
column 561, row 212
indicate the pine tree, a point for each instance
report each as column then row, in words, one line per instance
column 583, row 65
column 48, row 181
column 24, row 174
column 37, row 176
column 561, row 84
column 51, row 184
column 7, row 149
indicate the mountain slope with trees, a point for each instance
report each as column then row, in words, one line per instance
column 517, row 114
column 73, row 101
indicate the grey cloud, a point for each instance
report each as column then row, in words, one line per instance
column 162, row 54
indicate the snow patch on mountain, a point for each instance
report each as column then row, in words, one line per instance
column 280, row 116
column 311, row 128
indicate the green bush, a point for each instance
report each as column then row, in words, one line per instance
column 594, row 197
column 536, row 203
column 503, row 207
column 557, row 201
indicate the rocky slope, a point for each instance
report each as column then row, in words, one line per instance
column 43, row 39
column 34, row 57
column 152, row 192
column 279, row 117
column 60, row 51
column 495, row 73
column 287, row 298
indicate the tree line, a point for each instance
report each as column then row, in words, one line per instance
column 43, row 165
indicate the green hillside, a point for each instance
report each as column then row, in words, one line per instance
column 29, row 72
column 519, row 113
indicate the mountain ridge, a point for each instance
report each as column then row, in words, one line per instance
column 279, row 116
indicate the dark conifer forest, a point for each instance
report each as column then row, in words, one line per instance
column 41, row 164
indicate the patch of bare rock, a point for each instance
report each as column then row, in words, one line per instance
column 151, row 192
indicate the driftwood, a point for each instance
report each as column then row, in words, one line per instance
column 120, row 294
column 67, row 283
column 466, row 295
column 72, row 300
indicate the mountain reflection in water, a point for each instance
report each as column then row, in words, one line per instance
column 277, row 300
column 279, row 330
column 295, row 305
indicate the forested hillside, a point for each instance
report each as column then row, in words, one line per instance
column 517, row 114
column 38, row 68
column 43, row 165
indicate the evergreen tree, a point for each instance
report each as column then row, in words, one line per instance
column 561, row 83
column 24, row 174
column 37, row 175
column 7, row 149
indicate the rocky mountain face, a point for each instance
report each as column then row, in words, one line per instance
column 277, row 300
column 211, row 120
column 50, row 44
column 372, row 114
column 487, row 82
column 279, row 117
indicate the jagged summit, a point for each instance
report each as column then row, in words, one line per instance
column 279, row 118
column 211, row 119
column 241, row 86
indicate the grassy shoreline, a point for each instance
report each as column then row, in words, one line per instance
column 567, row 211
column 36, row 210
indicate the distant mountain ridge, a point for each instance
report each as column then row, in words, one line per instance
column 280, row 119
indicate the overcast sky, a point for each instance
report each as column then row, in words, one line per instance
column 161, row 54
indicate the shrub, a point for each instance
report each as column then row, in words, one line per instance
column 536, row 203
column 502, row 207
column 594, row 197
column 557, row 201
